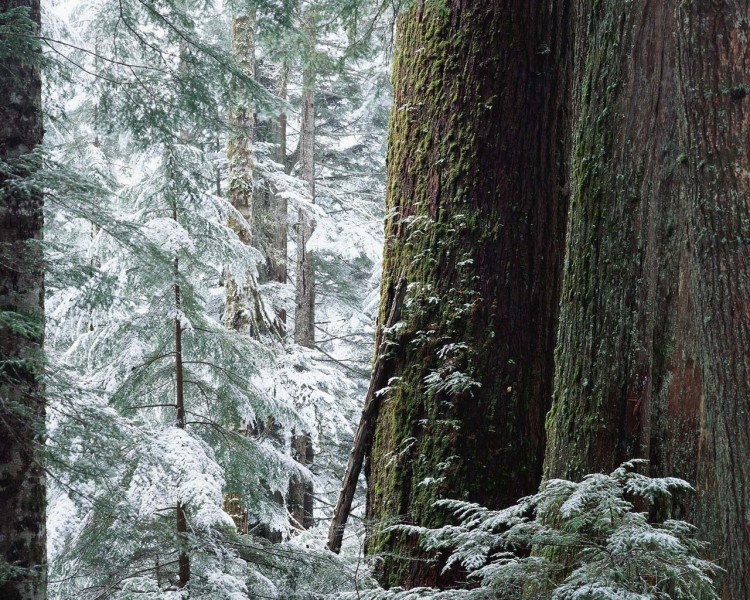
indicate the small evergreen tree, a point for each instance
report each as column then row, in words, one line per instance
column 589, row 541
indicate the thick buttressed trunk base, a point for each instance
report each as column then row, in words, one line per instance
column 654, row 341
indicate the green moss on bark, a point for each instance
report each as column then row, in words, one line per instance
column 475, row 226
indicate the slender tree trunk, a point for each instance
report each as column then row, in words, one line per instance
column 654, row 340
column 368, row 420
column 304, row 319
column 476, row 200
column 183, row 558
column 269, row 208
column 300, row 491
column 278, row 266
column 22, row 478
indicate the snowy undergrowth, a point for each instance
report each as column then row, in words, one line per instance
column 589, row 543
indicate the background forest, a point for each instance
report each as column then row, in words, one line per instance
column 195, row 278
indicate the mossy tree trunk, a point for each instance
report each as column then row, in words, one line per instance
column 654, row 340
column 714, row 67
column 23, row 554
column 476, row 205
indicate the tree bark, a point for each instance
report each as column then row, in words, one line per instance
column 22, row 403
column 300, row 491
column 181, row 526
column 653, row 341
column 244, row 309
column 304, row 319
column 476, row 204
column 713, row 63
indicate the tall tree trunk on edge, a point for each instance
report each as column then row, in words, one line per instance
column 22, row 410
column 654, row 340
column 476, row 200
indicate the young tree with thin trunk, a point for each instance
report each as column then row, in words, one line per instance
column 653, row 341
column 183, row 559
column 476, row 200
column 23, row 554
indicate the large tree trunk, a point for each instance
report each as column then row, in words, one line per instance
column 22, row 478
column 714, row 66
column 622, row 303
column 653, row 340
column 476, row 200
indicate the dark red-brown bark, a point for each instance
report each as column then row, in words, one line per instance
column 476, row 200
column 653, row 350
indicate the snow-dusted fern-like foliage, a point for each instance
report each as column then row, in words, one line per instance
column 571, row 541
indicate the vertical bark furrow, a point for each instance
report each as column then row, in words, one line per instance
column 652, row 356
column 714, row 61
column 475, row 203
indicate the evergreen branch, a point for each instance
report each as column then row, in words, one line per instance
column 340, row 363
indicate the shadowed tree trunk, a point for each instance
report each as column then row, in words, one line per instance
column 181, row 522
column 23, row 557
column 714, row 66
column 300, row 492
column 653, row 343
column 476, row 200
